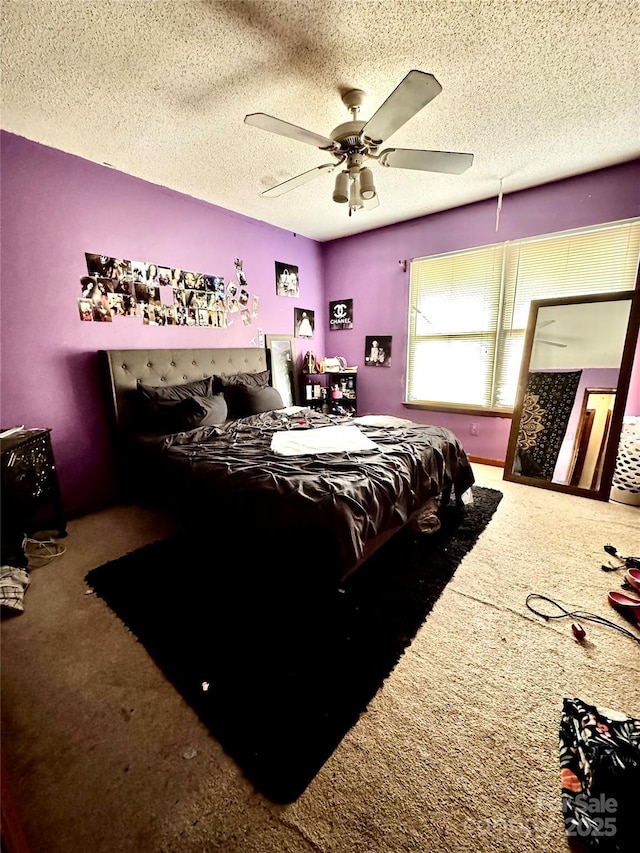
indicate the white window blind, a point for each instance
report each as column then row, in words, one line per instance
column 455, row 301
column 468, row 310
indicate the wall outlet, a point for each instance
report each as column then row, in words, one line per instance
column 474, row 429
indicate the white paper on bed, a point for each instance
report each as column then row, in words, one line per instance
column 332, row 439
column 291, row 410
column 383, row 421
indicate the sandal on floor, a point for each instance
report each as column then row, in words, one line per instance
column 633, row 579
column 626, row 605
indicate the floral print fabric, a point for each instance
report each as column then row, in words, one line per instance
column 600, row 776
column 546, row 410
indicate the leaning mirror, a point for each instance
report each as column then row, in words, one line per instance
column 281, row 359
column 574, row 380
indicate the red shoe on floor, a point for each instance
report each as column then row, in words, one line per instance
column 626, row 605
column 633, row 579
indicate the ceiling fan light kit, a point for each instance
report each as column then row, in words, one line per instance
column 353, row 142
column 367, row 187
column 341, row 190
column 355, row 199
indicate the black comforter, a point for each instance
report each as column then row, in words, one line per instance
column 228, row 478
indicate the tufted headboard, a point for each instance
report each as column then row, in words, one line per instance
column 123, row 368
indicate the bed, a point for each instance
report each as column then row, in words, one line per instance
column 278, row 484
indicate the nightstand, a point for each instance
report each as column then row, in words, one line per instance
column 30, row 491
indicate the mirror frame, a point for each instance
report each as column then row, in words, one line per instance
column 286, row 383
column 622, row 391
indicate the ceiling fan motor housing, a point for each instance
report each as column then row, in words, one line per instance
column 349, row 137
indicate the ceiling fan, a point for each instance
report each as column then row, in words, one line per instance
column 353, row 143
column 543, row 324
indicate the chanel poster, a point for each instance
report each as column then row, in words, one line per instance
column 341, row 314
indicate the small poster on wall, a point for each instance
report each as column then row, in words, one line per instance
column 341, row 314
column 377, row 351
column 287, row 283
column 303, row 323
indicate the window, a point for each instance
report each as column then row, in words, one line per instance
column 468, row 310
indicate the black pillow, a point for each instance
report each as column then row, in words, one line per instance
column 231, row 382
column 207, row 387
column 168, row 416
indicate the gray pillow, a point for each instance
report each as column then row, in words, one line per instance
column 251, row 379
column 252, row 399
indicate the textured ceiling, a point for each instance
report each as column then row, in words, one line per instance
column 535, row 89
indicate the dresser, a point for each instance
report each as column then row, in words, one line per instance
column 30, row 491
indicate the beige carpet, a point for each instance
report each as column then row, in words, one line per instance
column 458, row 751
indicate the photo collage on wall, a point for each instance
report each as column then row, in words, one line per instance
column 161, row 295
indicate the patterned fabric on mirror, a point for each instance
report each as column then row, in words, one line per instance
column 546, row 409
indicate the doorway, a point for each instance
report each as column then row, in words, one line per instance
column 591, row 437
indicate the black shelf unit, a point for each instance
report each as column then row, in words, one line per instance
column 335, row 393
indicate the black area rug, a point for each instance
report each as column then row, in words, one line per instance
column 277, row 671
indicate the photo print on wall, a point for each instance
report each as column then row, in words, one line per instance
column 303, row 323
column 377, row 350
column 161, row 295
column 341, row 314
column 86, row 311
column 287, row 282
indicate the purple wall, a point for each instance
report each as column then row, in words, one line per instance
column 56, row 207
column 366, row 268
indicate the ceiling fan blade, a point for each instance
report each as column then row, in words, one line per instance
column 299, row 180
column 276, row 125
column 451, row 162
column 408, row 98
column 551, row 343
column 370, row 203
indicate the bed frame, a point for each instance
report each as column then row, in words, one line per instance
column 122, row 369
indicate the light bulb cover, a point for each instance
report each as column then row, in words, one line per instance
column 355, row 199
column 341, row 189
column 367, row 187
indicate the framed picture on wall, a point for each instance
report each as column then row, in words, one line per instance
column 287, row 283
column 303, row 322
column 281, row 359
column 341, row 314
column 377, row 350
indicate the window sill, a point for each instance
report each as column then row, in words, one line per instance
column 459, row 409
